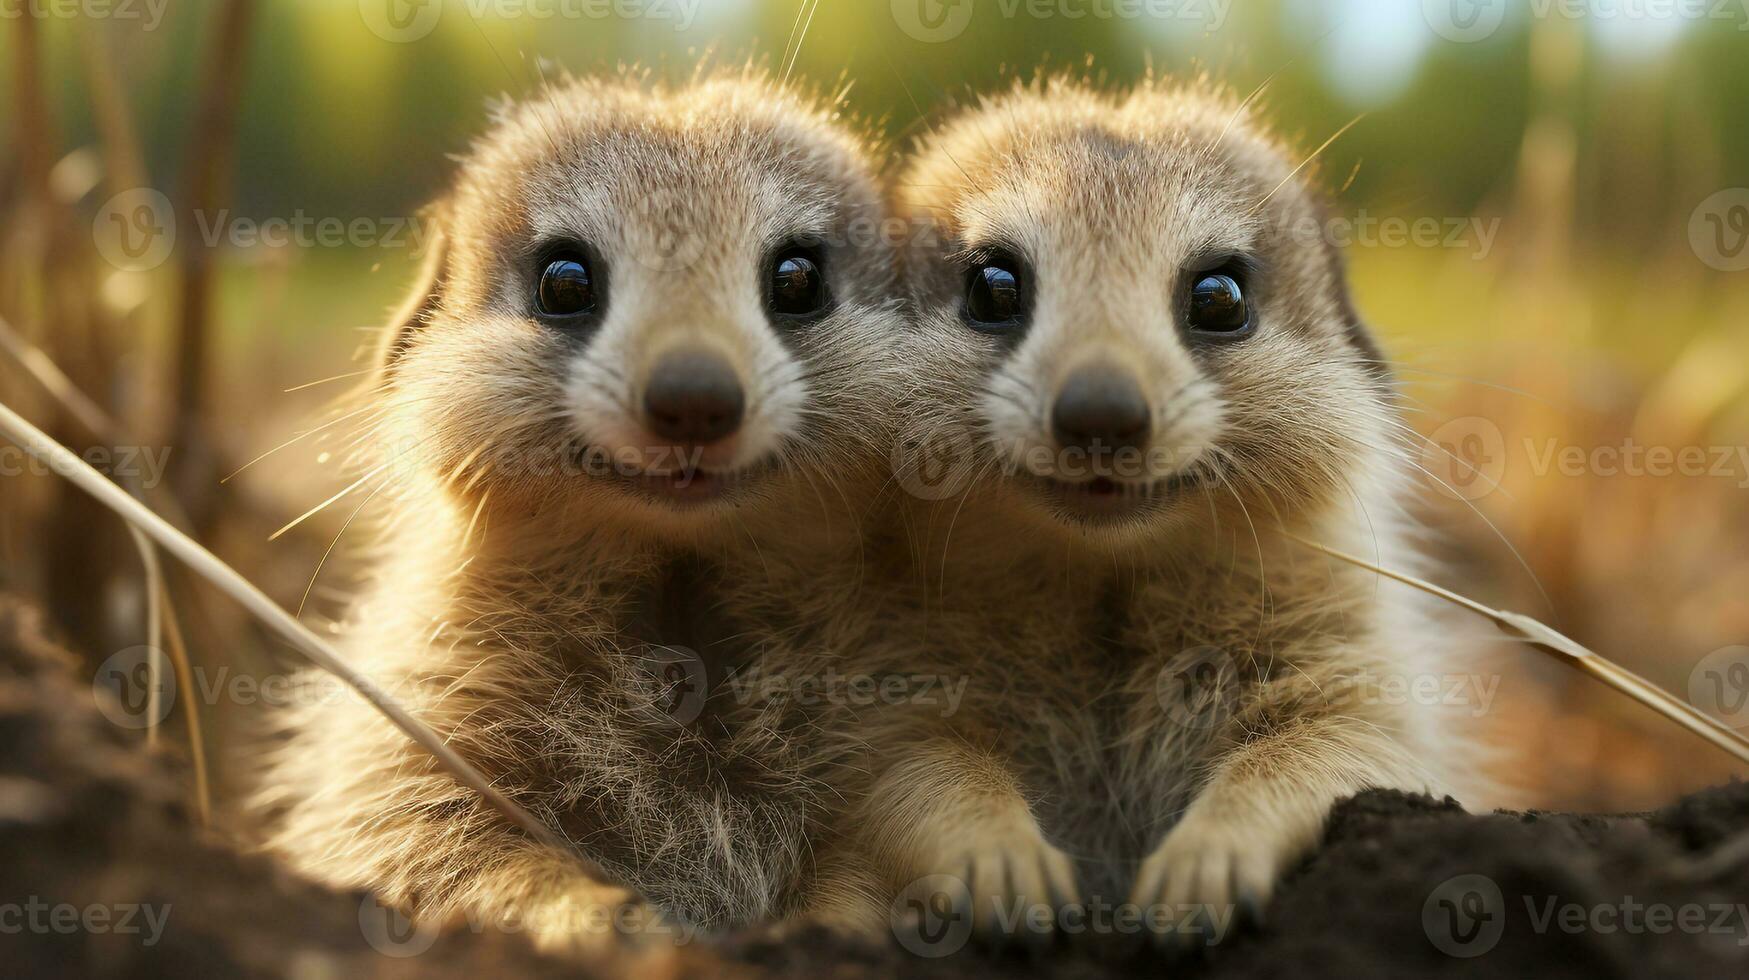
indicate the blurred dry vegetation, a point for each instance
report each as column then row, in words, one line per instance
column 1587, row 320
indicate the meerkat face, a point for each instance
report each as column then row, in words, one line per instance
column 1134, row 317
column 663, row 306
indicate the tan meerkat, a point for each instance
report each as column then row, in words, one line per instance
column 1136, row 366
column 634, row 395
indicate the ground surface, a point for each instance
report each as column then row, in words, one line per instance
column 103, row 872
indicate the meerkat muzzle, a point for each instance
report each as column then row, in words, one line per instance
column 1101, row 409
column 693, row 397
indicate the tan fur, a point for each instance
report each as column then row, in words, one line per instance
column 1066, row 770
column 519, row 611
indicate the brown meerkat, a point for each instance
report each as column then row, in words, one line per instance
column 634, row 395
column 1140, row 367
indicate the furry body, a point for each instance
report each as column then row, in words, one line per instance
column 565, row 626
column 1164, row 695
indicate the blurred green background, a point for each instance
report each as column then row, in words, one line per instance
column 1546, row 199
column 339, row 121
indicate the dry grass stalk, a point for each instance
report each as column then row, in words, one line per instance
column 1568, row 650
column 209, row 566
column 161, row 612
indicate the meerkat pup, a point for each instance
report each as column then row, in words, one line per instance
column 1140, row 372
column 634, row 394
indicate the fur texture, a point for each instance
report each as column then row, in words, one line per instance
column 563, row 625
column 1164, row 696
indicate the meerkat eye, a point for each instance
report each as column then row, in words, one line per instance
column 1217, row 305
column 798, row 287
column 566, row 286
column 994, row 296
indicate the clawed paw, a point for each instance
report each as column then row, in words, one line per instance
column 1001, row 891
column 1203, row 881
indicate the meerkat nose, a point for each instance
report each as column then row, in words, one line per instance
column 1100, row 408
column 693, row 396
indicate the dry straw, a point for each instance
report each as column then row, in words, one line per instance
column 1569, row 651
column 63, row 462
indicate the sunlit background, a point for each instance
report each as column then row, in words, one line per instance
column 1544, row 201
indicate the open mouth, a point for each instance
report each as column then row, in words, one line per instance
column 688, row 486
column 685, row 485
column 1103, row 499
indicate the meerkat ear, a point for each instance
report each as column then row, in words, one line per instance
column 419, row 305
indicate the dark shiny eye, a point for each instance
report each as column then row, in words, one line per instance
column 798, row 287
column 1217, row 305
column 566, row 287
column 993, row 294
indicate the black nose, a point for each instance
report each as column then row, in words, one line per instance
column 1100, row 408
column 693, row 396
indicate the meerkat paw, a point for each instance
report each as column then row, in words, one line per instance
column 1011, row 887
column 1207, row 877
